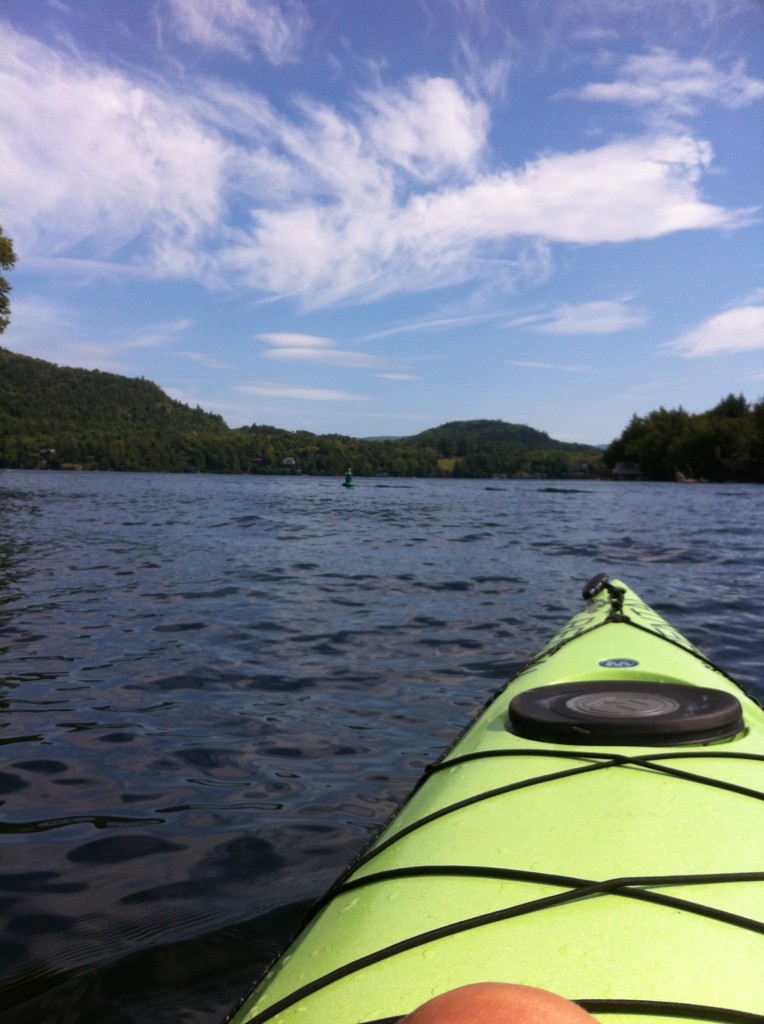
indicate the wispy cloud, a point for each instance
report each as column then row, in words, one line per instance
column 738, row 330
column 304, row 394
column 275, row 29
column 396, row 195
column 205, row 360
column 300, row 342
column 440, row 324
column 158, row 335
column 56, row 332
column 152, row 195
column 311, row 349
column 428, row 127
column 86, row 269
column 51, row 331
column 619, row 192
column 554, row 367
column 663, row 80
column 587, row 318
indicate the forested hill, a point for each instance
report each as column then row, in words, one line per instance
column 462, row 437
column 55, row 417
column 36, row 395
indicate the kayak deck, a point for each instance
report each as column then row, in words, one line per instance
column 628, row 877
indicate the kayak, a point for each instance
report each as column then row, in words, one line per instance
column 597, row 831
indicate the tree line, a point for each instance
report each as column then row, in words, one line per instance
column 725, row 443
column 54, row 417
column 7, row 262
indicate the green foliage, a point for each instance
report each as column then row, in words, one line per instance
column 7, row 260
column 485, row 448
column 725, row 443
column 56, row 417
column 732, row 407
column 464, row 437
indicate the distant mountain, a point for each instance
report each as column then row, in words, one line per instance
column 463, row 436
column 54, row 417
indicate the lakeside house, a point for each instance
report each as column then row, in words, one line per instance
column 627, row 471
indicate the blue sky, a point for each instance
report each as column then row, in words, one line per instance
column 371, row 217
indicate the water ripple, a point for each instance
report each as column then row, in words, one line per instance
column 214, row 689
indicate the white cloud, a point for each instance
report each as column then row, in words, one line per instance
column 205, row 360
column 442, row 323
column 643, row 188
column 639, row 189
column 327, row 357
column 604, row 317
column 296, row 341
column 308, row 394
column 91, row 161
column 311, row 349
column 212, row 184
column 429, row 128
column 737, row 330
column 555, row 367
column 663, row 79
column 278, row 30
column 159, row 335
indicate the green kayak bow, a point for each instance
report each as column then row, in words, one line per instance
column 598, row 831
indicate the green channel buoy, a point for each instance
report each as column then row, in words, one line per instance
column 348, row 479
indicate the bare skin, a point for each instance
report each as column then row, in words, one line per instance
column 495, row 1003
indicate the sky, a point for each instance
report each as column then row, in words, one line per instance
column 372, row 217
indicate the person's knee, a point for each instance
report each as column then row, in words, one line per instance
column 498, row 1003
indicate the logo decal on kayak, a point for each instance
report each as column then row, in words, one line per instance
column 619, row 663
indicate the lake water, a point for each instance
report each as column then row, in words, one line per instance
column 214, row 689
